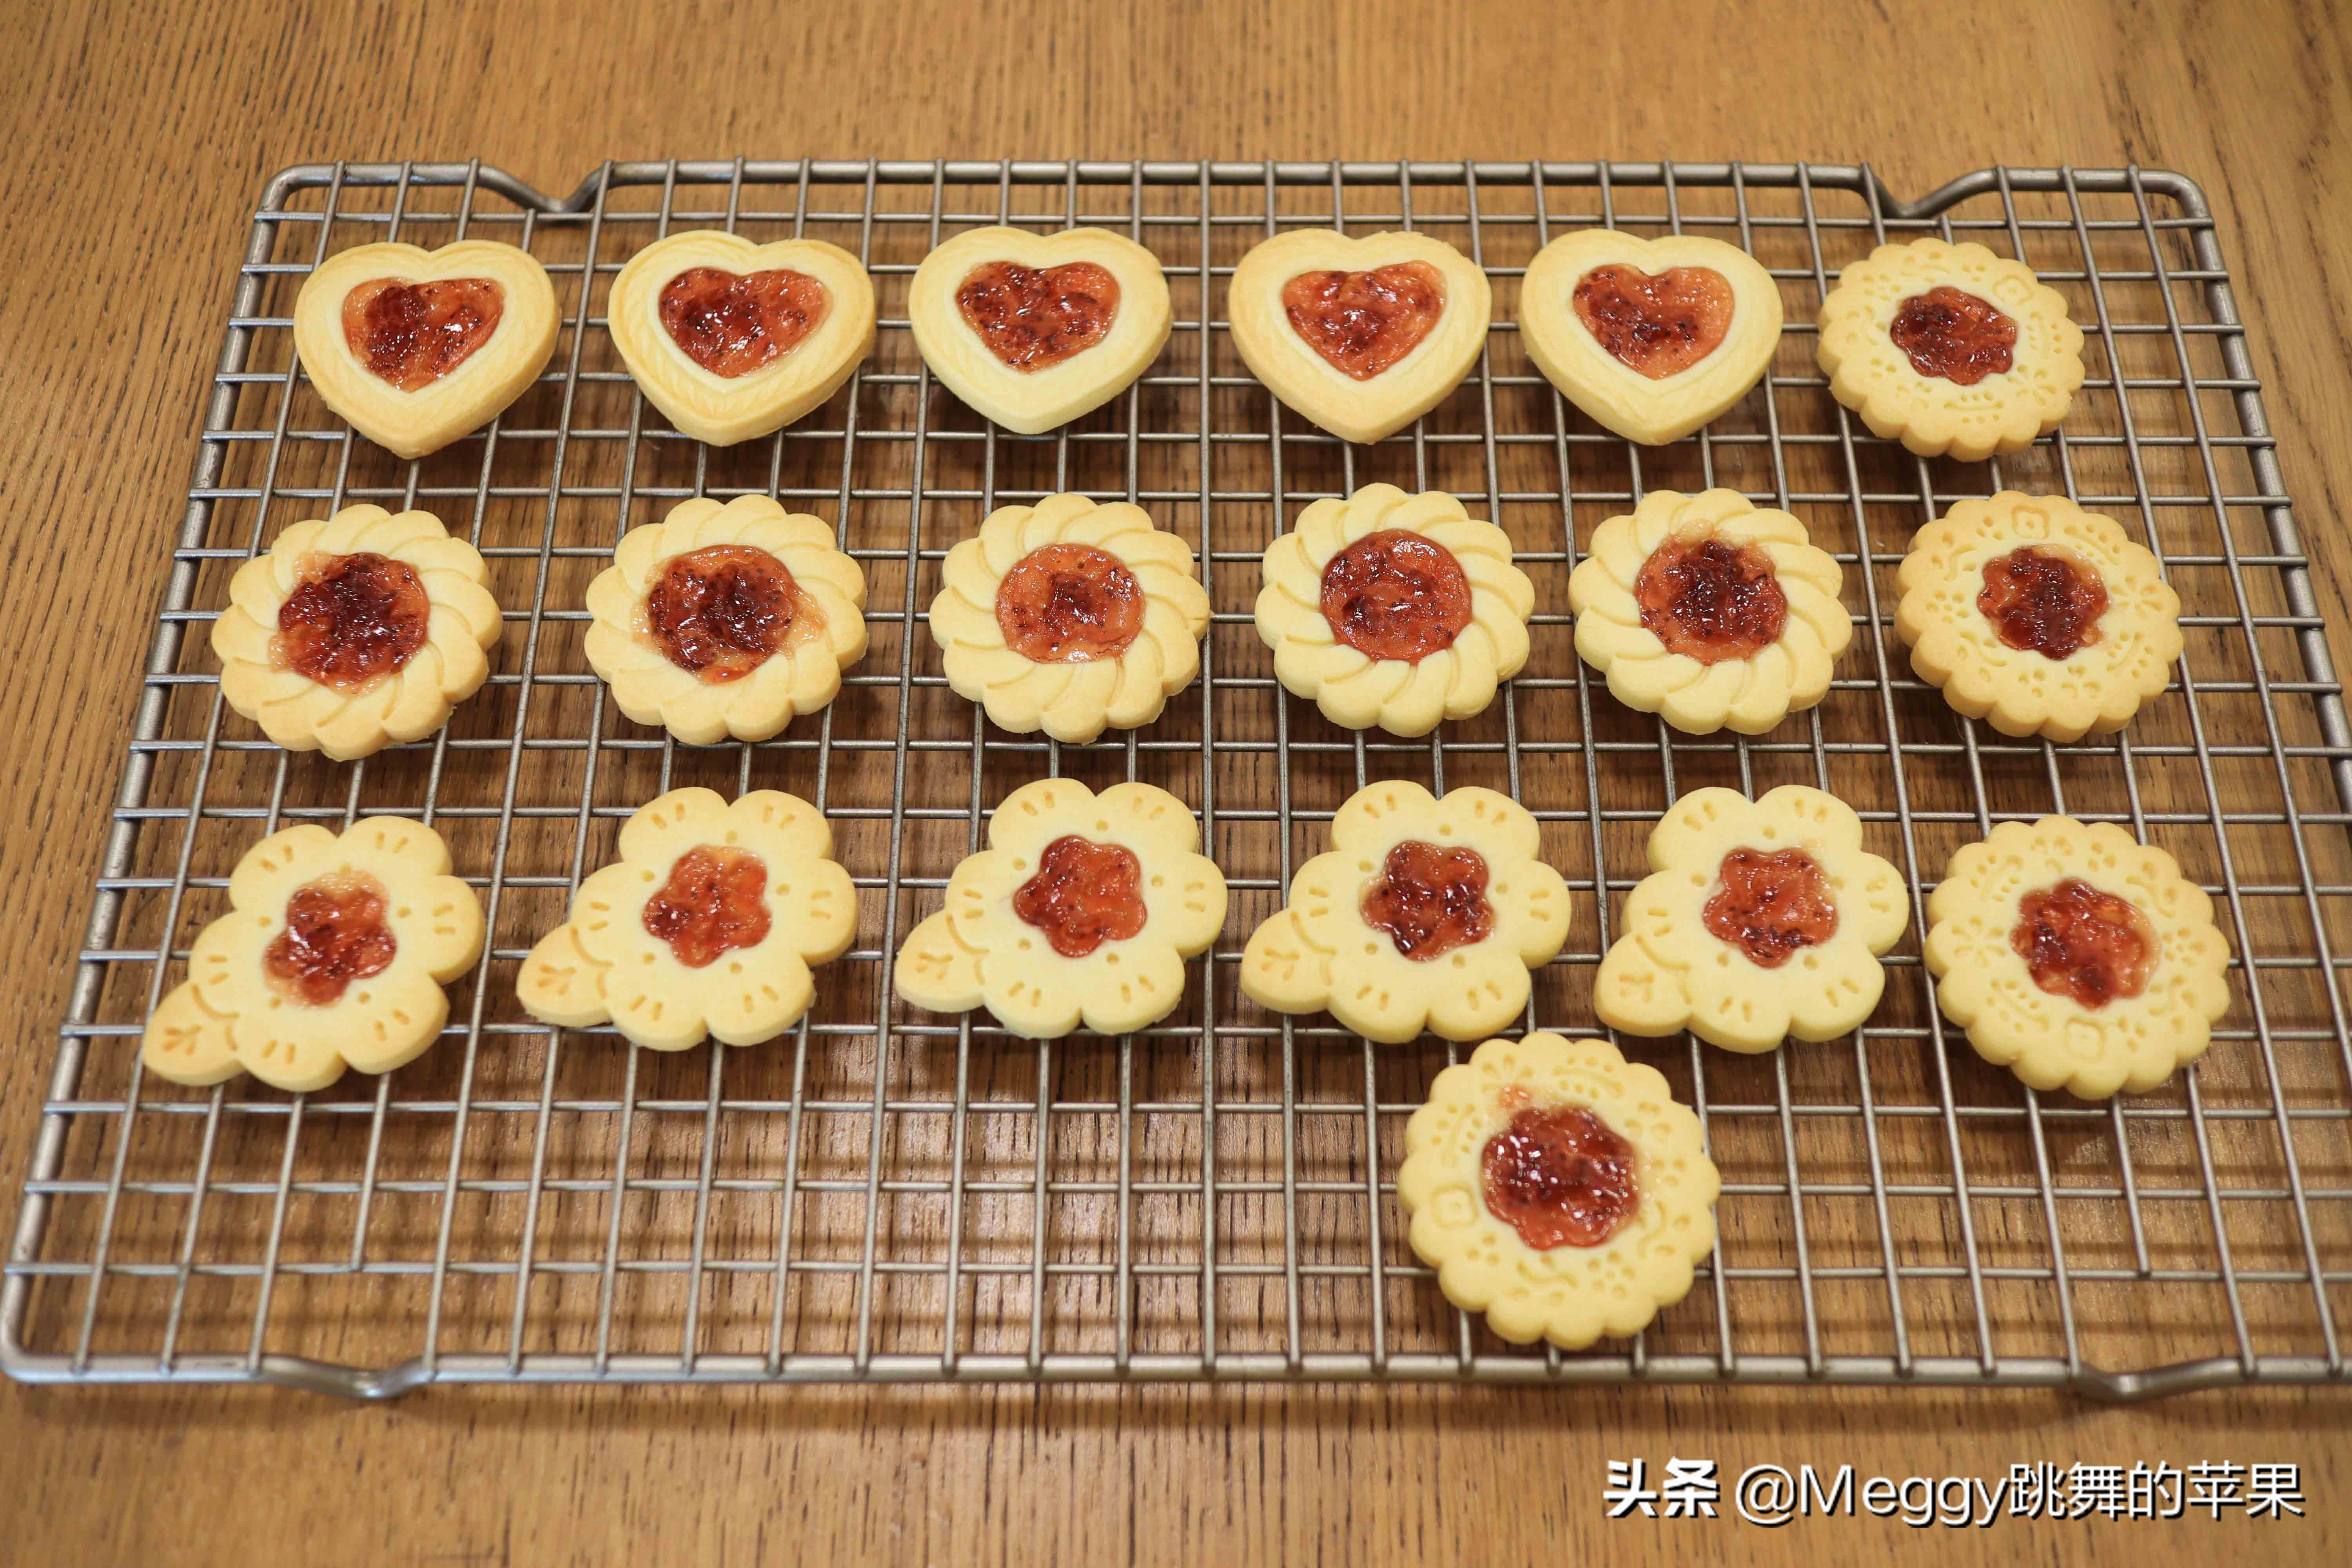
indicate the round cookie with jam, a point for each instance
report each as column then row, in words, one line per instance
column 1949, row 349
column 1558, row 1188
column 2076, row 957
column 2037, row 617
column 1426, row 913
column 1082, row 909
column 1758, row 920
column 1709, row 611
column 1394, row 610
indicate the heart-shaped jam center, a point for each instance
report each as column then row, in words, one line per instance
column 350, row 620
column 413, row 334
column 732, row 323
column 1659, row 323
column 1951, row 333
column 1033, row 319
column 1364, row 322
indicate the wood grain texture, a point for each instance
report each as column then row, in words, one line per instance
column 138, row 137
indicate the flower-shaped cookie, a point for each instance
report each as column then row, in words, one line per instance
column 1394, row 610
column 1758, row 922
column 735, row 340
column 1652, row 338
column 1083, row 908
column 418, row 347
column 2037, row 617
column 1709, row 611
column 332, row 954
column 356, row 631
column 1950, row 349
column 706, row 924
column 1558, row 1188
column 1034, row 330
column 726, row 620
column 2076, row 957
column 1425, row 914
column 1067, row 617
column 1362, row 336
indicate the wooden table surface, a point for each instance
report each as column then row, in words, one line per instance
column 138, row 136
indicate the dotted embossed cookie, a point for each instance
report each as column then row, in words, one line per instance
column 1710, row 612
column 2037, row 617
column 1558, row 1188
column 1425, row 914
column 1758, row 920
column 1083, row 909
column 2076, row 957
column 332, row 953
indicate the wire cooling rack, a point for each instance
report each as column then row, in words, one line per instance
column 886, row 1195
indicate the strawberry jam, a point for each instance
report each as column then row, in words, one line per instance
column 721, row 612
column 732, row 323
column 1394, row 594
column 715, row 901
column 1083, row 895
column 1034, row 320
column 1769, row 904
column 2078, row 941
column 1069, row 603
column 335, row 934
column 1364, row 322
column 413, row 334
column 1710, row 600
column 1560, row 1177
column 1658, row 323
column 2042, row 601
column 1951, row 334
column 350, row 620
column 1430, row 900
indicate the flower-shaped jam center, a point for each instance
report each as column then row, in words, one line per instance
column 2081, row 942
column 2042, row 601
column 1033, row 319
column 1711, row 601
column 1364, row 322
column 350, row 620
column 721, row 612
column 715, row 901
column 1069, row 603
column 1768, row 904
column 413, row 334
column 1951, row 334
column 1430, row 900
column 1658, row 323
column 732, row 323
column 334, row 933
column 1560, row 1177
column 1395, row 595
column 1083, row 895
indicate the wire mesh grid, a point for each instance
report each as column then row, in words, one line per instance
column 890, row 1194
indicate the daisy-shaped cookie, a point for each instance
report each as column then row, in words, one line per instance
column 2037, row 617
column 1083, row 909
column 726, row 620
column 355, row 631
column 2076, row 957
column 1758, row 922
column 1067, row 617
column 1394, row 610
column 1558, row 1188
column 332, row 954
column 1709, row 611
column 705, row 925
column 1950, row 349
column 1425, row 914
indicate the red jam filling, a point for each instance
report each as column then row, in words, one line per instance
column 732, row 323
column 722, row 611
column 1710, row 600
column 1658, row 323
column 1084, row 894
column 2042, row 601
column 1769, row 904
column 1034, row 320
column 1394, row 594
column 1364, row 322
column 1069, row 603
column 413, row 334
column 715, row 901
column 350, row 620
column 1430, row 900
column 335, row 934
column 1951, row 334
column 2081, row 942
column 1561, row 1177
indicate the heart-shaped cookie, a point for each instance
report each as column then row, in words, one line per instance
column 1362, row 336
column 416, row 347
column 734, row 341
column 1034, row 330
column 1652, row 338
